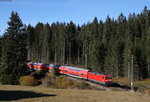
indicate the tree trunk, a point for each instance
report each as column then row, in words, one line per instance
column 132, row 76
column 63, row 53
column 117, row 70
column 148, row 67
column 70, row 53
column 79, row 55
column 55, row 56
column 129, row 72
column 117, row 73
column 29, row 53
column 86, row 59
column 86, row 56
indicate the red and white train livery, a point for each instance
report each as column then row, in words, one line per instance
column 81, row 73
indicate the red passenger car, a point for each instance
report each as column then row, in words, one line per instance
column 38, row 66
column 73, row 71
column 86, row 74
column 63, row 70
column 83, row 74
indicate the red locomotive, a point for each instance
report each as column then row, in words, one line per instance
column 74, row 72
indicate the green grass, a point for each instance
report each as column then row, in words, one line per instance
column 41, row 94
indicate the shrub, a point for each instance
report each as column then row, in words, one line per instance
column 58, row 81
column 51, row 74
column 48, row 82
column 81, row 85
column 66, row 83
column 28, row 81
column 38, row 74
column 63, row 82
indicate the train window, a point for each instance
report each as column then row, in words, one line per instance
column 83, row 74
column 65, row 71
column 108, row 77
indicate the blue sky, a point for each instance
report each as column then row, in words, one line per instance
column 79, row 11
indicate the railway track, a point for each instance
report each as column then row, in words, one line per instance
column 97, row 86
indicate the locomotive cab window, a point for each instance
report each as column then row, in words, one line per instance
column 108, row 77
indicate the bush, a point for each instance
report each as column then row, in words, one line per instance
column 81, row 85
column 66, row 83
column 48, row 82
column 38, row 74
column 51, row 74
column 63, row 82
column 28, row 81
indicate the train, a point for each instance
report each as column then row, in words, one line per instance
column 101, row 78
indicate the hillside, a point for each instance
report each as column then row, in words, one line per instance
column 41, row 94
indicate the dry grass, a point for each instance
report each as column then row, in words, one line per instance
column 142, row 83
column 140, row 86
column 123, row 81
column 41, row 94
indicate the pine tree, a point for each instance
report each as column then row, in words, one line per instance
column 62, row 39
column 14, row 52
column 38, row 41
column 70, row 41
column 0, row 47
column 120, row 36
column 46, row 35
column 30, row 42
column 94, row 44
column 107, row 41
column 84, row 38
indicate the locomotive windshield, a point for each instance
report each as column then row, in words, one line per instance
column 108, row 77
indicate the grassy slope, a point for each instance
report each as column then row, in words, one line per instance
column 39, row 94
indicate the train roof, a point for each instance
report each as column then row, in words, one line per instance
column 51, row 65
column 37, row 63
column 75, row 68
column 97, row 73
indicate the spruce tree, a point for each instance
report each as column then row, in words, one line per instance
column 94, row 44
column 14, row 52
column 0, row 47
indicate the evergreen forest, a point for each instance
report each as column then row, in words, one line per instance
column 104, row 46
